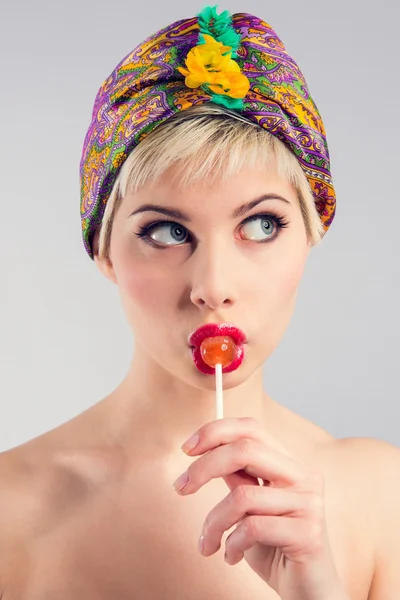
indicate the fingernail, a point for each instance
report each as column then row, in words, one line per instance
column 181, row 482
column 191, row 443
column 201, row 544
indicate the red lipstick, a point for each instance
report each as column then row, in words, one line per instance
column 213, row 330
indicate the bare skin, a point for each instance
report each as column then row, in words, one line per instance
column 87, row 511
column 83, row 520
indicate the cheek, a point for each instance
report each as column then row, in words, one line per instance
column 141, row 282
column 277, row 296
column 291, row 276
column 142, row 290
column 292, row 264
column 277, row 301
column 282, row 280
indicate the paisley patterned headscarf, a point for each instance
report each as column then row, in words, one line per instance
column 235, row 60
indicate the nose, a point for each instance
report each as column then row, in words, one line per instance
column 213, row 277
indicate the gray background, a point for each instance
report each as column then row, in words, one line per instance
column 64, row 341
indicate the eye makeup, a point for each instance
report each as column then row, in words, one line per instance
column 145, row 231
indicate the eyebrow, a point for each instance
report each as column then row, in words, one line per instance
column 178, row 214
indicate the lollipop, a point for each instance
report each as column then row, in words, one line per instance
column 218, row 352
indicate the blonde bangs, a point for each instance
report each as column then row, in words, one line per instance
column 208, row 143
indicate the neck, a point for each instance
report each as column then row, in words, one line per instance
column 159, row 411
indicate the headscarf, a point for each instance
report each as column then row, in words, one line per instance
column 235, row 60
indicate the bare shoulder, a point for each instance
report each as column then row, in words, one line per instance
column 28, row 488
column 40, row 478
column 377, row 462
column 378, row 465
column 44, row 486
column 13, row 497
column 13, row 473
column 373, row 465
column 365, row 449
column 376, row 449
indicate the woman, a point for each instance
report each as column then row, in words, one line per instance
column 205, row 183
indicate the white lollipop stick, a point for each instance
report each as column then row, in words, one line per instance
column 218, row 392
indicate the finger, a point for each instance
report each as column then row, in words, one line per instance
column 240, row 478
column 224, row 431
column 285, row 533
column 251, row 456
column 249, row 500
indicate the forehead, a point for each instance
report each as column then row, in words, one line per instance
column 223, row 193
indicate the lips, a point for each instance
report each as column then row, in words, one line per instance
column 213, row 330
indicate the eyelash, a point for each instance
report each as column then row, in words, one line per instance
column 279, row 221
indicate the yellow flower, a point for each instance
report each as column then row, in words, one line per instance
column 206, row 64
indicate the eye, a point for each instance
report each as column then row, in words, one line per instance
column 165, row 233
column 261, row 228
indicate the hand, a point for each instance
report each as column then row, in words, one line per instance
column 281, row 529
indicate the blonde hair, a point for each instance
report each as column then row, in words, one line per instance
column 208, row 142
